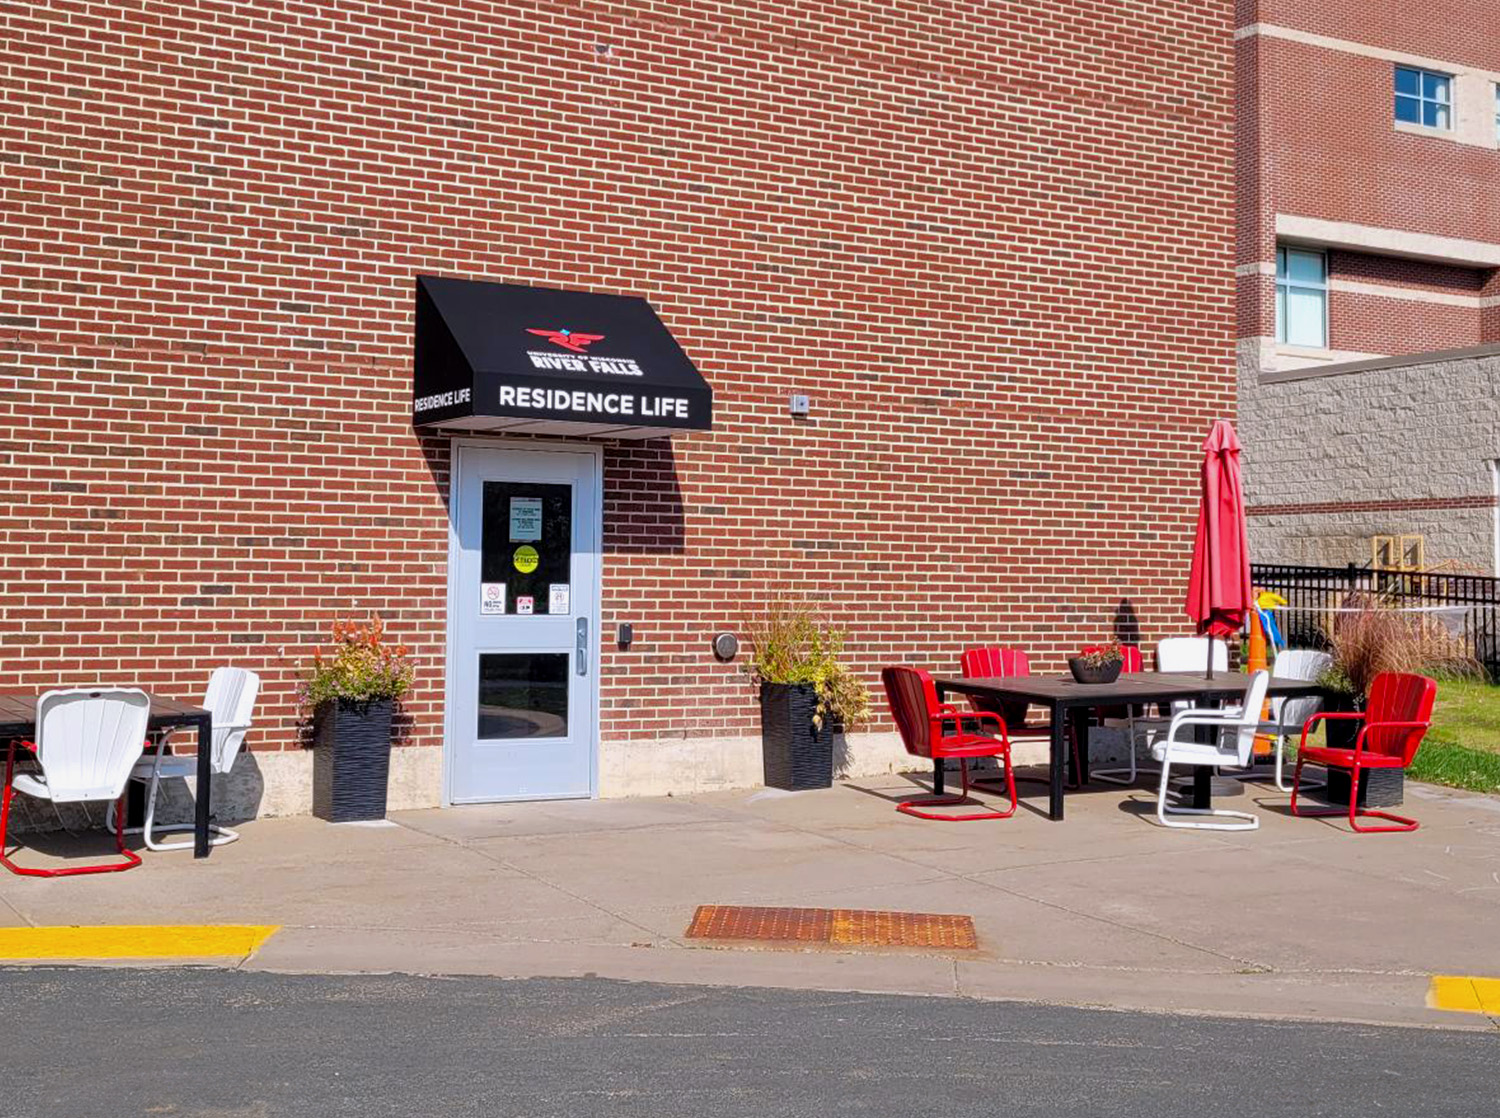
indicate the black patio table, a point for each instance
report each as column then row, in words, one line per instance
column 18, row 720
column 1066, row 698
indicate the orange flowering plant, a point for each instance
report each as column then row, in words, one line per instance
column 362, row 668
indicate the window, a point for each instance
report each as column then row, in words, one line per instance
column 1301, row 297
column 1497, row 112
column 1424, row 97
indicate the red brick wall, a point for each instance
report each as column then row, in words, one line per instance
column 983, row 241
column 1327, row 148
column 1362, row 320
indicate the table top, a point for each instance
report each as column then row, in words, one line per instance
column 18, row 712
column 1132, row 687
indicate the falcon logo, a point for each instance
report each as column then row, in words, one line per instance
column 578, row 343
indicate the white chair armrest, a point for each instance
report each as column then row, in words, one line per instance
column 1200, row 716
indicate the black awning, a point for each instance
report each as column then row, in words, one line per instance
column 506, row 357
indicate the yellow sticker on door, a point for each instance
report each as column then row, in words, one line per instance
column 526, row 559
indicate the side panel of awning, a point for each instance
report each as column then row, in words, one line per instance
column 507, row 357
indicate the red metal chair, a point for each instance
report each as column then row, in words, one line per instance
column 936, row 730
column 1395, row 719
column 993, row 662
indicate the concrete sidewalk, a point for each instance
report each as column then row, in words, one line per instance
column 1298, row 919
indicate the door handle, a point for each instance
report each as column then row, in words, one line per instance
column 583, row 646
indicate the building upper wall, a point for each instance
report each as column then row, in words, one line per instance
column 1461, row 31
column 1329, row 148
column 1324, row 163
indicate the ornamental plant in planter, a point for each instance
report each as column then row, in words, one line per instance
column 1097, row 664
column 1372, row 638
column 351, row 695
column 806, row 696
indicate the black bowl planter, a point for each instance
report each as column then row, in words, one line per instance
column 797, row 754
column 351, row 759
column 1099, row 673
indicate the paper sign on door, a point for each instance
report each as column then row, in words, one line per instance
column 524, row 603
column 525, row 519
column 491, row 597
column 557, row 597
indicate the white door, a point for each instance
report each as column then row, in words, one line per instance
column 523, row 617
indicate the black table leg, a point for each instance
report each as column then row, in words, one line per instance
column 205, row 788
column 1059, row 759
column 1083, row 722
column 1203, row 786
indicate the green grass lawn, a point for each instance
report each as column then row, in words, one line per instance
column 1462, row 750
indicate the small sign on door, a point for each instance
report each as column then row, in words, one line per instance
column 557, row 598
column 524, row 603
column 491, row 597
column 525, row 519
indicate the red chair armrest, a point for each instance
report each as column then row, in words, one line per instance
column 24, row 744
column 987, row 716
column 1359, row 742
column 1341, row 715
column 948, row 714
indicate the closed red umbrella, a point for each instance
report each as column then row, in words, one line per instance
column 1219, row 595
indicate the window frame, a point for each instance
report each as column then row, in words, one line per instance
column 1421, row 99
column 1285, row 284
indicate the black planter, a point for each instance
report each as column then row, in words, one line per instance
column 1098, row 673
column 1340, row 733
column 1377, row 788
column 351, row 760
column 797, row 755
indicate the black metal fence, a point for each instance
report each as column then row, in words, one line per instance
column 1467, row 606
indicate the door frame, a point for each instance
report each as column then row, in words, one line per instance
column 457, row 446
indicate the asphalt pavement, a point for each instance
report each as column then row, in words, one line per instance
column 83, row 1042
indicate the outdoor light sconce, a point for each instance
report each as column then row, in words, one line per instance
column 800, row 406
column 726, row 646
column 624, row 635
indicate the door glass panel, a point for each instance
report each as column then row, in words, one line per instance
column 526, row 560
column 523, row 695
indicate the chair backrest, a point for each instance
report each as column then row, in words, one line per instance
column 1131, row 658
column 1399, row 697
column 88, row 739
column 1298, row 663
column 230, row 699
column 914, row 703
column 1243, row 741
column 993, row 662
column 1190, row 654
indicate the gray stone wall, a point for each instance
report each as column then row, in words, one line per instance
column 1423, row 429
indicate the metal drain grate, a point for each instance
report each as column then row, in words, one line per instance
column 842, row 927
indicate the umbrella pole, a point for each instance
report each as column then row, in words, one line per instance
column 1209, row 674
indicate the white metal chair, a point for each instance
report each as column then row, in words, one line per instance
column 87, row 741
column 1173, row 654
column 1289, row 715
column 1233, row 745
column 230, row 699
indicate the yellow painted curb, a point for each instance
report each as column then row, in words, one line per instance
column 134, row 941
column 1464, row 994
